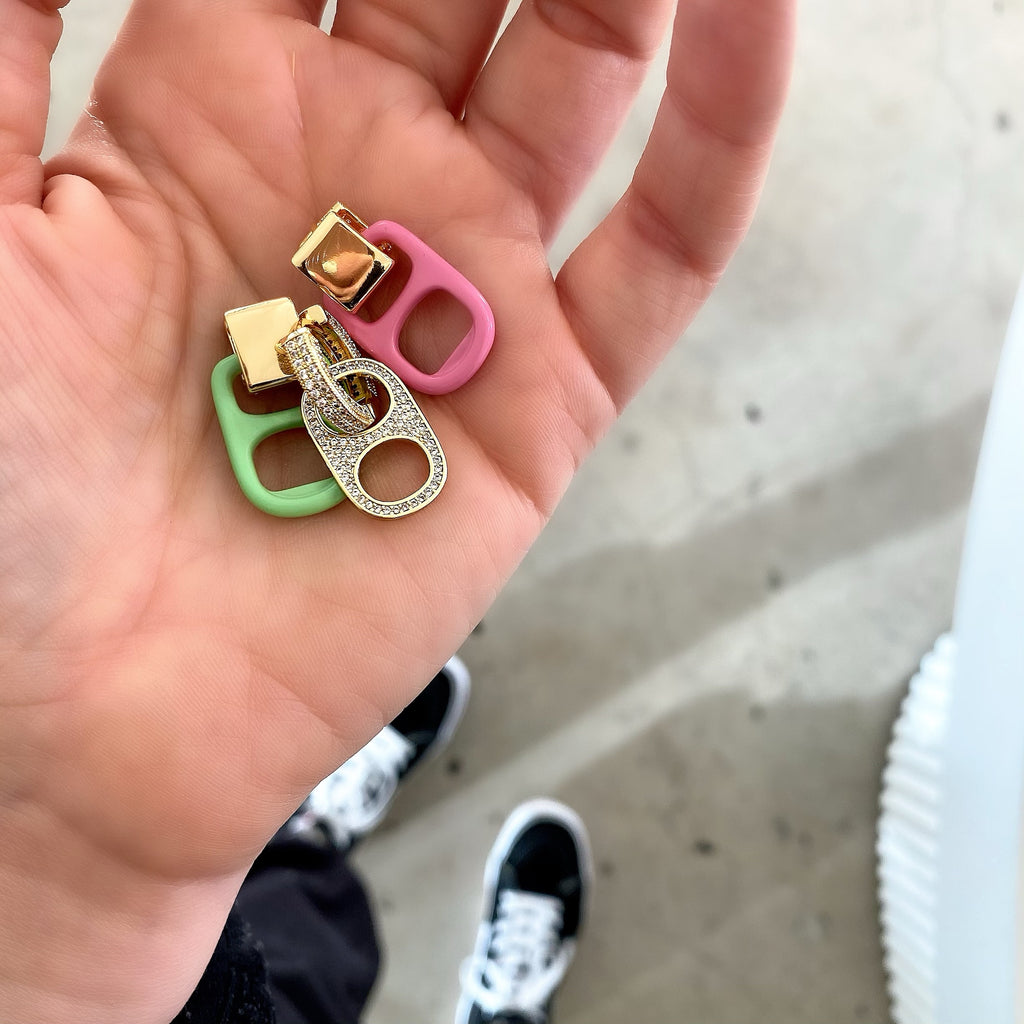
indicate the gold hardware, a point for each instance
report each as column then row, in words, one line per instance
column 338, row 346
column 338, row 259
column 302, row 355
column 344, row 451
column 254, row 331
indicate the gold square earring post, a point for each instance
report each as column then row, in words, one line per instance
column 339, row 260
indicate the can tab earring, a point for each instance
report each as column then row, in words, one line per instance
column 344, row 450
column 341, row 390
column 347, row 259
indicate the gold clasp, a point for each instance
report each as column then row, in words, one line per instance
column 337, row 345
column 301, row 353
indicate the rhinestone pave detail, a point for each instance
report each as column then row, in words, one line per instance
column 404, row 421
column 319, row 381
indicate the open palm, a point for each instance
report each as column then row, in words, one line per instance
column 180, row 668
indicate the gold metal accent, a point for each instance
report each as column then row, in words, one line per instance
column 338, row 346
column 254, row 332
column 338, row 259
column 302, row 354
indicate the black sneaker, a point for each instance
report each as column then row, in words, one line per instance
column 536, row 881
column 353, row 800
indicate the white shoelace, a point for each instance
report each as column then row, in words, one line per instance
column 524, row 959
column 354, row 798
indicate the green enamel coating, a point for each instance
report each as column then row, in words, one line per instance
column 243, row 433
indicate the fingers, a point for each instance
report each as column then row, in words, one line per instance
column 637, row 281
column 30, row 32
column 556, row 88
column 445, row 41
column 301, row 10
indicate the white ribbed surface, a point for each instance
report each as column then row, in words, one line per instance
column 908, row 837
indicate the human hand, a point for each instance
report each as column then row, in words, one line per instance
column 181, row 669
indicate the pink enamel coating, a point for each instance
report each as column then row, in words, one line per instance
column 429, row 273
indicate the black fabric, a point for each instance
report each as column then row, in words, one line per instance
column 311, row 917
column 233, row 989
column 299, row 947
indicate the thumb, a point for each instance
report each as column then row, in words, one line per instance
column 31, row 30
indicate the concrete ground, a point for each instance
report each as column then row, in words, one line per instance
column 705, row 651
